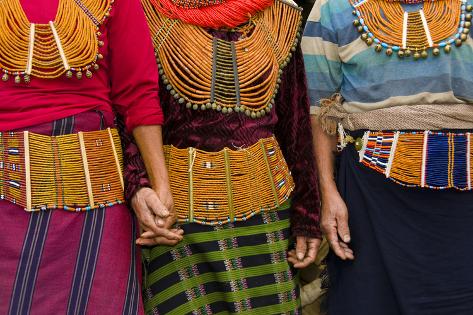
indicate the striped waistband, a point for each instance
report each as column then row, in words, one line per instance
column 75, row 172
column 436, row 160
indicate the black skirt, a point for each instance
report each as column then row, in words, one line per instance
column 413, row 247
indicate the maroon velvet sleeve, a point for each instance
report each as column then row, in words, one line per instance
column 134, row 172
column 294, row 134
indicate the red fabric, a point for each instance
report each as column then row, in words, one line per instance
column 127, row 78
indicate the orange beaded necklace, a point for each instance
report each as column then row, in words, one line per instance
column 204, row 72
column 68, row 44
column 437, row 25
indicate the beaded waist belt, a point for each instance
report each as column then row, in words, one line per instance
column 436, row 160
column 75, row 172
column 213, row 188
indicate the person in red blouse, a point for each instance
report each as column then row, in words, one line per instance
column 68, row 240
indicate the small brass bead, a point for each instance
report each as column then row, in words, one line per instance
column 267, row 109
column 247, row 112
column 356, row 23
column 79, row 75
column 208, row 105
column 458, row 42
column 203, row 107
column 188, row 105
column 447, row 48
column 416, row 55
column 400, row 54
column 96, row 67
column 181, row 100
column 466, row 30
column 436, row 51
column 468, row 17
column 69, row 74
column 369, row 41
column 469, row 8
column 27, row 78
column 195, row 107
column 88, row 74
column 17, row 79
column 389, row 52
column 219, row 108
column 424, row 54
column 353, row 12
column 378, row 48
column 467, row 24
column 358, row 144
column 463, row 37
column 364, row 36
column 100, row 56
column 253, row 115
column 360, row 29
column 230, row 110
column 407, row 53
column 101, row 43
column 225, row 110
column 5, row 77
column 214, row 105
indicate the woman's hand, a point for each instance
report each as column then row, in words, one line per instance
column 155, row 218
column 305, row 252
column 334, row 223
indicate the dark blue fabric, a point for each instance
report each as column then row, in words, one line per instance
column 413, row 248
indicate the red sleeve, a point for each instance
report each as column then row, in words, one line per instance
column 133, row 69
column 294, row 133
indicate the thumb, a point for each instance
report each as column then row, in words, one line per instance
column 301, row 247
column 155, row 204
column 343, row 229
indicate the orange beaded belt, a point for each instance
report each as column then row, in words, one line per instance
column 429, row 159
column 214, row 188
column 75, row 172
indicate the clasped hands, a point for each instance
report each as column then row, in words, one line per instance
column 156, row 216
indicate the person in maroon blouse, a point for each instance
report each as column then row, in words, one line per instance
column 67, row 66
column 236, row 254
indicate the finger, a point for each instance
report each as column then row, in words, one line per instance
column 160, row 232
column 301, row 247
column 156, row 241
column 334, row 244
column 342, row 225
column 303, row 264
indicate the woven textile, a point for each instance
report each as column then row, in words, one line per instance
column 236, row 268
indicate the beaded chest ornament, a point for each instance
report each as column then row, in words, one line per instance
column 203, row 72
column 69, row 44
column 435, row 27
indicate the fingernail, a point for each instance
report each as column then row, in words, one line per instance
column 346, row 238
column 160, row 222
column 300, row 256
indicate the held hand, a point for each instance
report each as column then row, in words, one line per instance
column 153, row 215
column 334, row 223
column 305, row 252
column 150, row 238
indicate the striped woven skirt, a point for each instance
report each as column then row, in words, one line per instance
column 235, row 268
column 60, row 262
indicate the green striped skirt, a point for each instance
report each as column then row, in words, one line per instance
column 236, row 268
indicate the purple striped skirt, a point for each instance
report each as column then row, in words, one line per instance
column 59, row 262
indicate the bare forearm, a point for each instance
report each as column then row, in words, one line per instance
column 150, row 143
column 324, row 148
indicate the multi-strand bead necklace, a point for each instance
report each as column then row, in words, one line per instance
column 203, row 72
column 211, row 13
column 69, row 44
column 437, row 26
